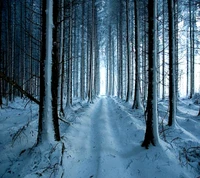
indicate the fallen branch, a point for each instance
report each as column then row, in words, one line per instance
column 65, row 121
column 18, row 133
column 17, row 86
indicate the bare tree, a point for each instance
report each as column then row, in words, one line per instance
column 128, row 94
column 1, row 56
column 172, row 72
column 151, row 135
column 137, row 99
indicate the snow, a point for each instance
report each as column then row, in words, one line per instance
column 102, row 141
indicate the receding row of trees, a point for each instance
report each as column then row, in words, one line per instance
column 73, row 70
column 155, row 39
column 51, row 52
column 134, row 30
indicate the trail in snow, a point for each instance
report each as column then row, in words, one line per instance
column 104, row 142
column 101, row 142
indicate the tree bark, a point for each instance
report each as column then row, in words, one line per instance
column 191, row 21
column 137, row 99
column 1, row 56
column 128, row 94
column 42, row 75
column 92, row 47
column 151, row 135
column 163, row 53
column 55, row 73
column 82, row 76
column 172, row 72
column 69, row 76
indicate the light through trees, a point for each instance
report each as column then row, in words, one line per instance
column 99, row 48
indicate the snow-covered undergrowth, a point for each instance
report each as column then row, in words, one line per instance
column 100, row 140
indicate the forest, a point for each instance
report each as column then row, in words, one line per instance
column 100, row 88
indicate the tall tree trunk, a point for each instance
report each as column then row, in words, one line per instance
column 151, row 135
column 172, row 72
column 121, row 52
column 144, row 55
column 109, row 58
column 187, row 82
column 55, row 72
column 163, row 53
column 137, row 99
column 1, row 55
column 62, row 63
column 96, row 57
column 69, row 76
column 113, row 67
column 45, row 117
column 92, row 47
column 176, row 17
column 82, row 76
column 128, row 94
column 191, row 21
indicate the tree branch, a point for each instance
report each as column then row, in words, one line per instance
column 17, row 86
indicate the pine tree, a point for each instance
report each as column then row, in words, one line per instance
column 151, row 135
column 172, row 73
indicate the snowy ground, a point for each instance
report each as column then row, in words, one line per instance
column 102, row 141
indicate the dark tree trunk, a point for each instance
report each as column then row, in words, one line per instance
column 1, row 56
column 92, row 47
column 191, row 22
column 82, row 76
column 163, row 54
column 121, row 51
column 42, row 74
column 151, row 135
column 69, row 76
column 137, row 100
column 55, row 73
column 128, row 94
column 172, row 89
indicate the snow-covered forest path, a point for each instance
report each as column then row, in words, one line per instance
column 102, row 142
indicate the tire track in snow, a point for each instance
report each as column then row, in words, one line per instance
column 110, row 143
column 102, row 142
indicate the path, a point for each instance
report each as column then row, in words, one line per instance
column 100, row 142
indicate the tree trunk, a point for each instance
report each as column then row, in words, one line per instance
column 61, row 59
column 172, row 72
column 163, row 53
column 69, row 76
column 187, row 58
column 121, row 51
column 191, row 21
column 137, row 99
column 55, row 73
column 92, row 47
column 1, row 56
column 96, row 57
column 128, row 94
column 82, row 76
column 151, row 135
column 45, row 129
column 109, row 58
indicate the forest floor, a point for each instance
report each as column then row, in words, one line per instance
column 103, row 140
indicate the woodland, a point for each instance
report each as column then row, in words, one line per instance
column 100, row 88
